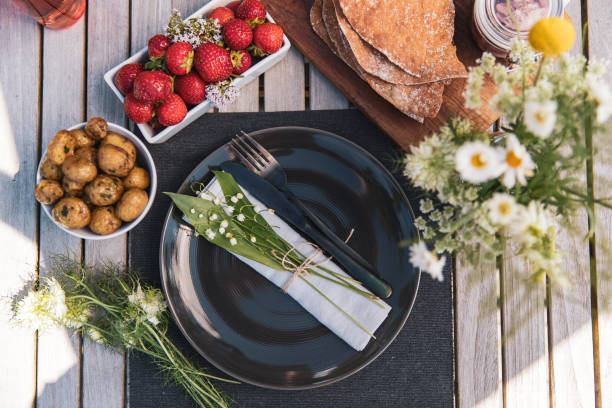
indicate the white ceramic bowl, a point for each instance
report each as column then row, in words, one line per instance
column 159, row 136
column 143, row 159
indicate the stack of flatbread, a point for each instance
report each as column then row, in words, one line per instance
column 402, row 48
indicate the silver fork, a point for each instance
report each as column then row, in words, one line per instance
column 257, row 159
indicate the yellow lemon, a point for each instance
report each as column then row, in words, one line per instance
column 552, row 36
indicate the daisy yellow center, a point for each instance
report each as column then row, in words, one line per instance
column 513, row 160
column 477, row 161
column 540, row 116
column 504, row 209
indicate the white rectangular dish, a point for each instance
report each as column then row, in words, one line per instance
column 153, row 136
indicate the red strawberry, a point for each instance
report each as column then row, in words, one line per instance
column 241, row 60
column 158, row 44
column 237, row 34
column 172, row 111
column 233, row 5
column 213, row 62
column 191, row 88
column 124, row 80
column 268, row 38
column 152, row 86
column 179, row 58
column 139, row 112
column 253, row 11
column 222, row 15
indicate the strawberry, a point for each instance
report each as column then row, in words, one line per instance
column 212, row 62
column 241, row 60
column 253, row 11
column 233, row 5
column 139, row 112
column 237, row 34
column 191, row 88
column 171, row 111
column 268, row 38
column 152, row 86
column 222, row 15
column 179, row 58
column 158, row 44
column 124, row 80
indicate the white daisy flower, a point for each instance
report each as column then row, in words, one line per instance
column 224, row 224
column 233, row 241
column 477, row 162
column 234, row 199
column 240, row 217
column 427, row 261
column 213, row 217
column 502, row 208
column 532, row 221
column 602, row 95
column 517, row 163
column 540, row 118
column 253, row 239
column 210, row 234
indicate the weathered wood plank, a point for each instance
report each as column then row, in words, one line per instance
column 284, row 84
column 59, row 352
column 19, row 115
column 107, row 45
column 525, row 337
column 599, row 16
column 323, row 94
column 570, row 308
column 478, row 341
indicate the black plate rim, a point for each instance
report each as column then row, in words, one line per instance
column 262, row 384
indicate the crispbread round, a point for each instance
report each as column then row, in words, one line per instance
column 421, row 100
column 416, row 35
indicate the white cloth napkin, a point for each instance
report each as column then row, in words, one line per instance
column 366, row 312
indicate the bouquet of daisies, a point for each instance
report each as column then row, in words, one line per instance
column 520, row 182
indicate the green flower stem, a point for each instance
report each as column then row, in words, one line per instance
column 587, row 197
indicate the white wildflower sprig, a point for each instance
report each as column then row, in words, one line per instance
column 222, row 93
column 427, row 261
column 194, row 31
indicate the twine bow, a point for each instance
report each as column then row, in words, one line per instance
column 308, row 262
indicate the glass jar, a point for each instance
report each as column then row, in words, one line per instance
column 493, row 26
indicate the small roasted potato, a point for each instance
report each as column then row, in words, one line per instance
column 48, row 192
column 104, row 221
column 137, row 178
column 81, row 139
column 122, row 142
column 61, row 146
column 71, row 212
column 78, row 169
column 49, row 170
column 72, row 188
column 131, row 204
column 104, row 190
column 96, row 128
column 114, row 160
column 88, row 153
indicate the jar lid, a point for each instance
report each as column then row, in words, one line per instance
column 501, row 20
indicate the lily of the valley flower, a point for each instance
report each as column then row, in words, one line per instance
column 517, row 163
column 477, row 162
column 540, row 117
column 503, row 209
column 427, row 261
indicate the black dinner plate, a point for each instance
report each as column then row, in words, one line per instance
column 245, row 325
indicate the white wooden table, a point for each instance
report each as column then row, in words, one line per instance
column 561, row 356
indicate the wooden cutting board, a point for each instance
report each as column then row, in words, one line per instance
column 293, row 16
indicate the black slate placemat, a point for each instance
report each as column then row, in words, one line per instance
column 417, row 370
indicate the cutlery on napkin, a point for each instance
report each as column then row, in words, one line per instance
column 368, row 313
